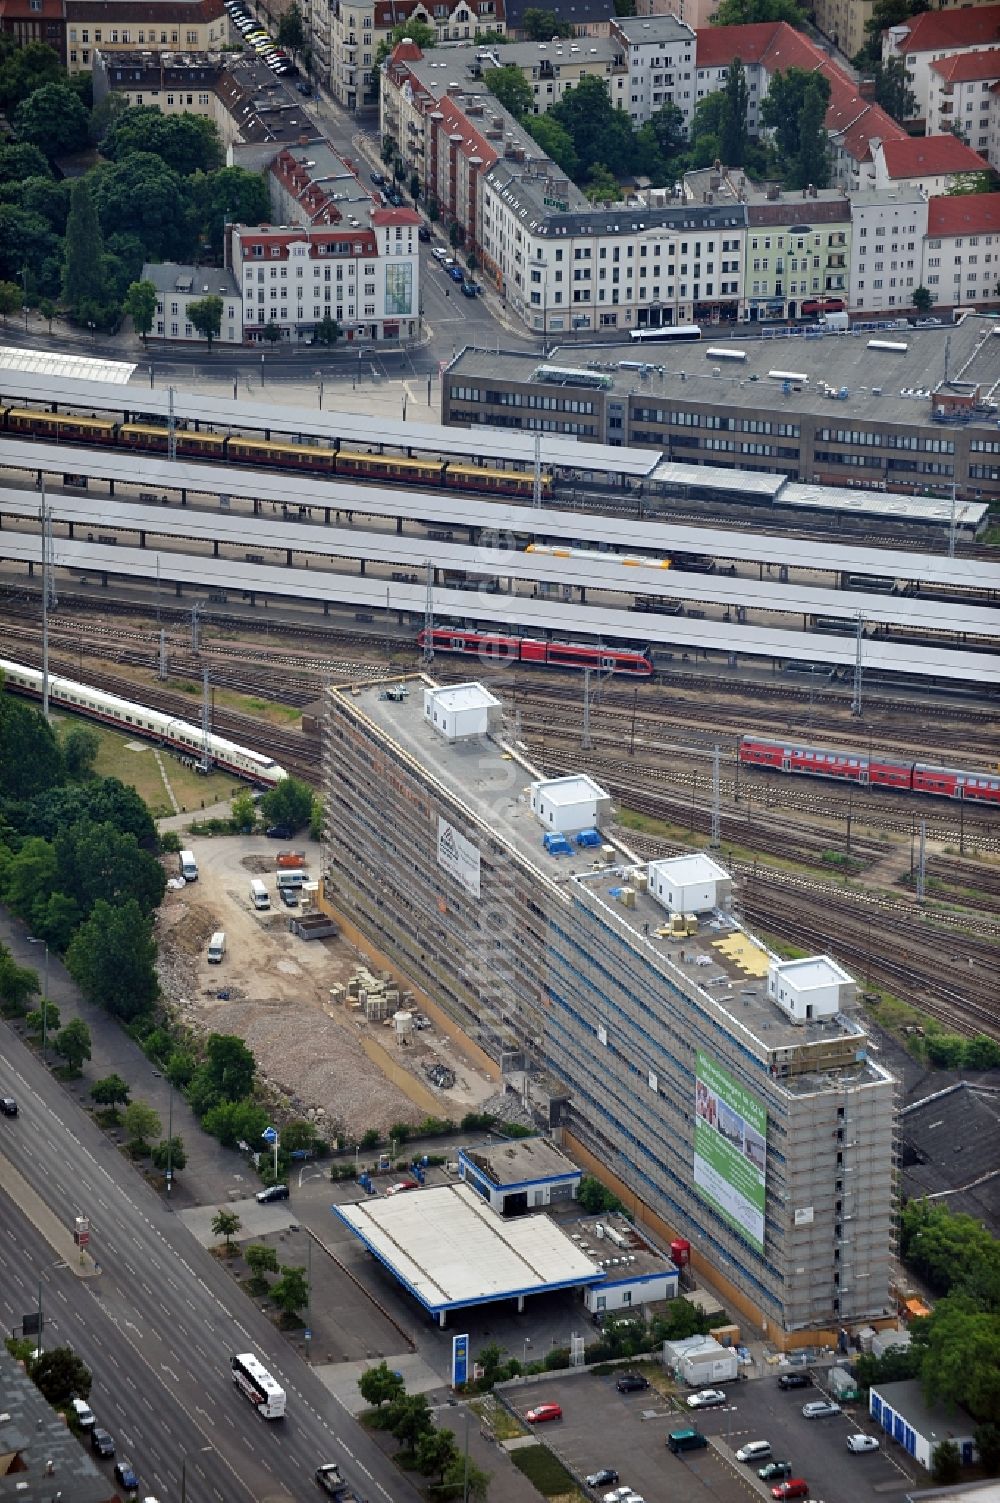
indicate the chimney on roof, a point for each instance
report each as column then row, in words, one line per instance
column 866, row 88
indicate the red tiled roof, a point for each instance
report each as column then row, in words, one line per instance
column 937, row 30
column 406, row 51
column 316, row 237
column 774, row 45
column 718, row 45
column 929, row 156
column 387, row 218
column 474, row 143
column 389, row 13
column 26, row 10
column 964, row 214
column 966, row 67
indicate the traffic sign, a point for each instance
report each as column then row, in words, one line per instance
column 270, row 1135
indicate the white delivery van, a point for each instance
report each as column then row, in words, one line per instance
column 83, row 1414
column 259, row 894
column 292, row 878
column 216, row 947
column 189, row 866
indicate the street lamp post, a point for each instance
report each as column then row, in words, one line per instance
column 170, row 1140
column 184, row 1462
column 93, row 330
column 319, row 378
column 45, row 992
column 24, row 310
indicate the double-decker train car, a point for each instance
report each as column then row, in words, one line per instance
column 869, row 772
column 500, row 647
column 140, row 720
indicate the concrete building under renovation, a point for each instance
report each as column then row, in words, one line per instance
column 731, row 1099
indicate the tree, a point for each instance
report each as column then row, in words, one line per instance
column 243, row 812
column 291, row 31
column 288, row 803
column 971, row 183
column 83, row 278
column 291, row 1291
column 542, row 25
column 261, row 1260
column 509, row 85
column 59, row 1375
column 22, row 73
column 179, row 1068
column 811, row 163
column 987, row 1441
column 327, row 331
column 226, row 1224
column 624, row 7
column 981, row 1053
column 231, row 1064
column 11, row 297
column 73, row 1044
column 97, row 861
column 892, row 90
column 669, row 129
column 885, row 13
column 599, row 132
column 170, row 1153
column 112, row 956
column 18, row 984
column 733, row 131
column 105, row 801
column 414, row 186
column 141, row 195
column 272, row 332
column 44, row 1019
column 946, row 1463
column 205, row 315
column 464, row 1479
column 436, row 1450
column 140, row 306
column 80, row 747
column 746, row 12
column 232, row 1122
column 111, row 1092
column 229, row 194
column 556, row 142
column 47, row 309
column 186, row 143
column 380, row 1385
column 409, row 1418
column 21, row 161
column 923, row 300
column 141, row 1123
column 54, row 120
column 317, row 814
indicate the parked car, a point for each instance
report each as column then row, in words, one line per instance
column 819, row 1409
column 404, row 1184
column 424, row 234
column 706, row 1399
column 775, row 1470
column 378, row 178
column 795, row 1487
column 469, row 289
column 456, row 273
column 795, row 1380
column 860, row 1443
column 279, row 832
column 304, row 89
column 126, row 1474
column 927, row 323
column 439, row 253
column 101, row 1442
column 8, row 1106
column 754, row 1450
column 289, row 897
column 602, row 1478
column 270, row 1193
column 543, row 1412
column 631, row 1383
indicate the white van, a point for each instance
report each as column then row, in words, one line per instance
column 83, row 1414
column 293, row 878
column 258, row 894
column 216, row 948
column 188, row 866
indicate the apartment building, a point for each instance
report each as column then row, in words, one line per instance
column 962, row 88
column 737, row 1105
column 178, row 286
column 961, row 261
column 35, row 21
column 893, row 419
column 146, row 25
column 937, row 34
column 888, row 229
column 659, row 55
column 362, row 272
column 937, row 164
column 358, row 27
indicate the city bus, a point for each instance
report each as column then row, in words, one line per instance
column 253, row 1378
column 666, row 334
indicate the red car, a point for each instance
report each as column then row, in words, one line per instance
column 543, row 1412
column 795, row 1487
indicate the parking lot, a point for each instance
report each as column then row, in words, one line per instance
column 604, row 1428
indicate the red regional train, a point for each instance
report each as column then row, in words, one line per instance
column 497, row 647
column 848, row 767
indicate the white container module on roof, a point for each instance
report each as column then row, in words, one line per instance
column 569, row 805
column 690, row 884
column 457, row 711
column 815, row 987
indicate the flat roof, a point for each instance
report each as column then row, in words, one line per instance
column 520, row 1161
column 469, row 696
column 49, row 366
column 935, row 1421
column 696, row 868
column 813, row 971
column 451, row 1250
column 576, row 788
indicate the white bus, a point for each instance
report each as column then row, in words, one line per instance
column 666, row 334
column 266, row 1396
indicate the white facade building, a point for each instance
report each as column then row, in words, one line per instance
column 935, row 34
column 937, row 164
column 457, row 711
column 962, row 250
column 177, row 287
column 660, row 56
column 888, row 227
column 690, row 884
column 569, row 805
column 961, row 89
column 811, row 988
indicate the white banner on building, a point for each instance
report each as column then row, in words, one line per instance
column 458, row 856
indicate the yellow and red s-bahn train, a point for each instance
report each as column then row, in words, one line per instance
column 320, row 458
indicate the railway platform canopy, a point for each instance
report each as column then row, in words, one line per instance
column 441, row 509
column 51, row 366
column 514, row 612
column 451, row 1250
column 599, row 574
column 350, row 429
